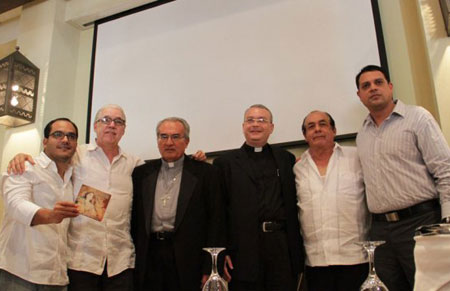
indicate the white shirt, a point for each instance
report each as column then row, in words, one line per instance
column 35, row 253
column 406, row 160
column 333, row 213
column 93, row 243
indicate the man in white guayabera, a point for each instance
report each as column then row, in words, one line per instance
column 33, row 235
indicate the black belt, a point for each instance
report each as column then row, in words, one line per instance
column 271, row 226
column 161, row 235
column 401, row 214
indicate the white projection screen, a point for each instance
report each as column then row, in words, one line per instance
column 208, row 60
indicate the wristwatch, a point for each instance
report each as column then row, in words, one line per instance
column 446, row 219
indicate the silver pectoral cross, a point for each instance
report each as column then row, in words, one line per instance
column 164, row 200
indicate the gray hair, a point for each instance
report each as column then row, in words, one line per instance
column 186, row 126
column 260, row 106
column 108, row 106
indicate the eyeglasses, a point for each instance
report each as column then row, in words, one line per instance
column 107, row 120
column 175, row 137
column 257, row 120
column 59, row 135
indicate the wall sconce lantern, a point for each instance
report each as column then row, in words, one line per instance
column 18, row 90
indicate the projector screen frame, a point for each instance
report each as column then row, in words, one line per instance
column 291, row 144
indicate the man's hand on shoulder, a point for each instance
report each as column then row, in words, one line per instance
column 227, row 267
column 17, row 164
column 199, row 156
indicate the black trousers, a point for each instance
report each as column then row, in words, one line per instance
column 274, row 267
column 394, row 260
column 162, row 274
column 84, row 281
column 336, row 278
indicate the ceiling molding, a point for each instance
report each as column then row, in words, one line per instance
column 83, row 13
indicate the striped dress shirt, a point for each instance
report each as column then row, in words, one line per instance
column 405, row 161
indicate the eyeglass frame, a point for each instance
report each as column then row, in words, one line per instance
column 174, row 137
column 107, row 120
column 258, row 120
column 59, row 135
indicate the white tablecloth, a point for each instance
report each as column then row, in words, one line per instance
column 432, row 257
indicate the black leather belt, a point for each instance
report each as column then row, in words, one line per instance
column 398, row 215
column 161, row 235
column 271, row 226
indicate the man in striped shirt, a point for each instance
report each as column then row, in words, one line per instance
column 406, row 166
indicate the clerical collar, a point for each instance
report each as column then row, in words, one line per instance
column 251, row 149
column 172, row 165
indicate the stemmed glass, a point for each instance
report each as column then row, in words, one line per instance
column 215, row 282
column 372, row 283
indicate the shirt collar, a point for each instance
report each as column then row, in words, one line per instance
column 173, row 165
column 399, row 109
column 337, row 148
column 45, row 162
column 250, row 149
column 92, row 147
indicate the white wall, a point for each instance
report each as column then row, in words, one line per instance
column 438, row 53
column 82, row 78
column 397, row 50
column 52, row 45
column 9, row 28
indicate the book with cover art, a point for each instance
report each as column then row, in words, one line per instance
column 92, row 202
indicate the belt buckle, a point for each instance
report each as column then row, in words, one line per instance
column 160, row 236
column 264, row 228
column 392, row 216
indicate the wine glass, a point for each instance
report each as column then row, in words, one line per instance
column 372, row 283
column 215, row 282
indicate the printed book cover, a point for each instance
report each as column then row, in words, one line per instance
column 92, row 202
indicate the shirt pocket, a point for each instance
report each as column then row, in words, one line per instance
column 304, row 193
column 351, row 191
column 119, row 207
column 348, row 183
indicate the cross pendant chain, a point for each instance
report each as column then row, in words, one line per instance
column 164, row 200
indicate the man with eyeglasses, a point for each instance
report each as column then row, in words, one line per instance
column 102, row 252
column 177, row 211
column 33, row 235
column 265, row 250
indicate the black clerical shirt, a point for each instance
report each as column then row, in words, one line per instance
column 266, row 172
